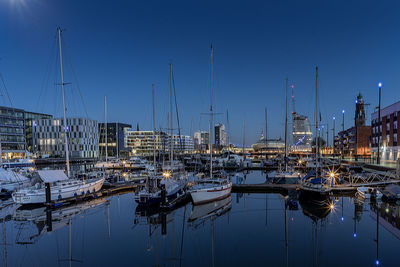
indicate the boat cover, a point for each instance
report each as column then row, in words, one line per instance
column 50, row 176
column 11, row 176
column 309, row 175
column 317, row 181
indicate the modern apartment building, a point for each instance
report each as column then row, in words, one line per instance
column 183, row 144
column 30, row 117
column 83, row 137
column 220, row 135
column 115, row 133
column 143, row 143
column 12, row 133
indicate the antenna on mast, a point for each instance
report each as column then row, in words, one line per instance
column 293, row 101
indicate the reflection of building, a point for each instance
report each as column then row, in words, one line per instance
column 12, row 131
column 269, row 146
column 115, row 139
column 302, row 135
column 183, row 143
column 387, row 132
column 389, row 217
column 30, row 117
column 220, row 135
column 83, row 137
column 143, row 143
column 355, row 141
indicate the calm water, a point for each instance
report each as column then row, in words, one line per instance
column 246, row 230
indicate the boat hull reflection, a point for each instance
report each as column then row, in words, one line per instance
column 215, row 208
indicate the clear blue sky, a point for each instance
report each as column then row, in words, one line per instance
column 119, row 48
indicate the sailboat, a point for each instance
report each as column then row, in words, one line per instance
column 211, row 188
column 11, row 180
column 62, row 186
column 314, row 185
column 169, row 184
column 287, row 173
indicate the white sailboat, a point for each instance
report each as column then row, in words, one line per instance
column 11, row 181
column 172, row 180
column 316, row 185
column 287, row 173
column 62, row 186
column 211, row 188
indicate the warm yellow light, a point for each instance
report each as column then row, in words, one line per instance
column 300, row 161
column 124, row 162
column 332, row 174
column 331, row 206
column 124, row 174
column 166, row 174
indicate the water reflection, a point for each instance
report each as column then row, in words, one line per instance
column 241, row 230
column 48, row 220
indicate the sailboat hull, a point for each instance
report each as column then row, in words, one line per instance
column 62, row 190
column 208, row 194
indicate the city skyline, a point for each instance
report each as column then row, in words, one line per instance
column 122, row 53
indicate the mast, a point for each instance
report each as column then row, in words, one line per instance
column 211, row 114
column 266, row 132
column 243, row 135
column 266, row 126
column 117, row 137
column 228, row 135
column 171, row 155
column 105, row 125
column 286, row 105
column 316, row 123
column 1, row 154
column 154, row 131
column 64, row 107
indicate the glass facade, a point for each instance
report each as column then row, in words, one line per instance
column 115, row 138
column 12, row 132
column 30, row 117
column 83, row 138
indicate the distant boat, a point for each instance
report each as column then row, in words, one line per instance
column 368, row 193
column 211, row 188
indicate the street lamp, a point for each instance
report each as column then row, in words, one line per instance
column 378, row 160
column 342, row 133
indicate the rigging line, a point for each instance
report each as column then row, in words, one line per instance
column 5, row 89
column 177, row 114
column 47, row 73
column 74, row 76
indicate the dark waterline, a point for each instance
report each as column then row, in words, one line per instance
column 249, row 230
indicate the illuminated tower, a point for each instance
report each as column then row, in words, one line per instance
column 360, row 112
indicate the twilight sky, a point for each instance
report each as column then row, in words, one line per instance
column 120, row 48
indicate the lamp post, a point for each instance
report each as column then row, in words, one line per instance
column 333, row 136
column 378, row 160
column 342, row 133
